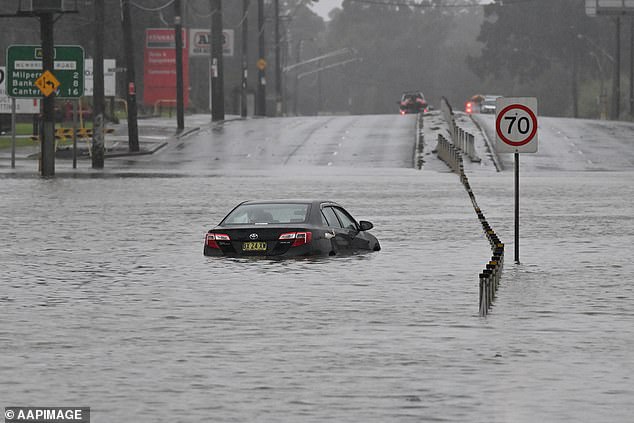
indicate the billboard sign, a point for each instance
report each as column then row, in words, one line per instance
column 200, row 41
column 159, row 72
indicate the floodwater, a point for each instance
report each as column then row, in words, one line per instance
column 107, row 301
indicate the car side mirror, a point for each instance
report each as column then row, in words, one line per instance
column 364, row 225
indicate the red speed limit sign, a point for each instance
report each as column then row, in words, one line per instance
column 516, row 125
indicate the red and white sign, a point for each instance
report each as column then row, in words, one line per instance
column 516, row 125
column 159, row 72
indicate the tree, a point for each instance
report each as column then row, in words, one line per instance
column 540, row 46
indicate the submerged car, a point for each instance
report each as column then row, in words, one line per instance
column 289, row 228
column 412, row 102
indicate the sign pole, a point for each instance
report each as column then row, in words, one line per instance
column 75, row 107
column 517, row 208
column 516, row 130
column 13, row 133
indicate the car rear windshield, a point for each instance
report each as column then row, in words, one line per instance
column 264, row 214
column 412, row 96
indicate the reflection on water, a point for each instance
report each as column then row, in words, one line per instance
column 106, row 300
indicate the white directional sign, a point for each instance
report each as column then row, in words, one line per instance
column 516, row 125
column 109, row 77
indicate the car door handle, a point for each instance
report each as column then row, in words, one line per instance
column 330, row 235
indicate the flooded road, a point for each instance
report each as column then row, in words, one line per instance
column 107, row 301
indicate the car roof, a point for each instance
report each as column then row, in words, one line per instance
column 289, row 201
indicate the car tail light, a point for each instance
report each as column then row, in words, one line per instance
column 402, row 112
column 210, row 239
column 468, row 107
column 299, row 238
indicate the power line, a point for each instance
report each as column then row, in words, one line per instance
column 439, row 6
column 151, row 9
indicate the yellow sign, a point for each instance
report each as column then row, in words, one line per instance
column 47, row 83
column 261, row 64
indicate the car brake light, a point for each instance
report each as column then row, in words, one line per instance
column 210, row 239
column 299, row 238
column 402, row 112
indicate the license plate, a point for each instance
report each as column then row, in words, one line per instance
column 254, row 246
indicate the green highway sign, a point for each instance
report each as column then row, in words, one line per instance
column 24, row 67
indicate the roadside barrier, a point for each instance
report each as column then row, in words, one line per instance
column 66, row 134
column 492, row 273
column 419, row 142
column 461, row 138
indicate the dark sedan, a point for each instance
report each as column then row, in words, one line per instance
column 289, row 228
column 412, row 102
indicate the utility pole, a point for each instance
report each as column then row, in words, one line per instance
column 178, row 40
column 217, row 68
column 632, row 68
column 574, row 82
column 126, row 22
column 245, row 59
column 261, row 95
column 47, row 134
column 616, row 80
column 278, row 63
column 98, row 89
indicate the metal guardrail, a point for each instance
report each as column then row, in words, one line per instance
column 419, row 142
column 461, row 138
column 491, row 275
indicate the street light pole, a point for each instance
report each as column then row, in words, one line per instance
column 128, row 42
column 632, row 67
column 217, row 68
column 178, row 41
column 245, row 44
column 616, row 80
column 278, row 62
column 99, row 103
column 261, row 96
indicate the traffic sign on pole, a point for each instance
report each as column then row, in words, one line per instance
column 24, row 68
column 516, row 132
column 516, row 125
